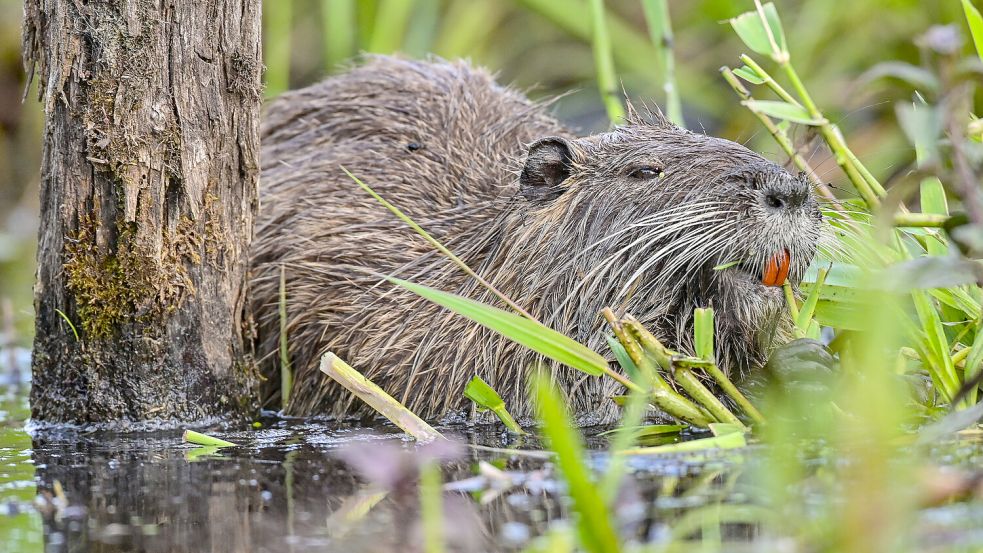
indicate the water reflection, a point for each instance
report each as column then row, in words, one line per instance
column 287, row 489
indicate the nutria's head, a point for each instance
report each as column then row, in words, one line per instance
column 657, row 220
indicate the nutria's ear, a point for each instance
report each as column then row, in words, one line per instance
column 548, row 164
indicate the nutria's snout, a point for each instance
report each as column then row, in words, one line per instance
column 782, row 232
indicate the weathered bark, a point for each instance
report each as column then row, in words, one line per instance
column 148, row 194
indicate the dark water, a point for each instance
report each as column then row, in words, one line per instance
column 286, row 488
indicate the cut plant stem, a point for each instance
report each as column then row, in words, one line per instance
column 198, row 438
column 733, row 393
column 921, row 220
column 661, row 394
column 689, row 382
column 665, row 357
column 604, row 63
column 660, row 30
column 375, row 397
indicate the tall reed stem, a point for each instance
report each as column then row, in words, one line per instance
column 660, row 29
column 604, row 63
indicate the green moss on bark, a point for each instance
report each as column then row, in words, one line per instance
column 128, row 285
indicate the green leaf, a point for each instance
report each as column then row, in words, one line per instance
column 703, row 333
column 723, row 428
column 623, row 358
column 840, row 315
column 922, row 124
column 783, row 110
column 485, row 396
column 960, row 299
column 974, row 362
column 593, row 521
column 939, row 363
column 814, row 331
column 520, row 330
column 749, row 75
column 933, row 200
column 844, row 281
column 809, row 305
column 750, row 27
column 975, row 21
column 68, row 321
column 727, row 265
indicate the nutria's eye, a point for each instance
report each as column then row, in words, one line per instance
column 647, row 172
column 773, row 201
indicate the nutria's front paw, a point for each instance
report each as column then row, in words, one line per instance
column 802, row 364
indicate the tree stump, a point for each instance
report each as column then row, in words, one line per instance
column 148, row 195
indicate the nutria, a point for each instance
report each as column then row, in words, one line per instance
column 639, row 218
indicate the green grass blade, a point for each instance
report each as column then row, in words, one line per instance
column 974, row 363
column 621, row 354
column 625, row 436
column 749, row 75
column 936, row 344
column 975, row 21
column 808, row 309
column 660, row 30
column 594, row 524
column 440, row 247
column 521, row 330
column 703, row 330
column 607, row 80
column 933, row 201
column 68, row 321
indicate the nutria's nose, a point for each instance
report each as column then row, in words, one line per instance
column 785, row 193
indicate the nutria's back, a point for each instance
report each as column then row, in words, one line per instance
column 635, row 219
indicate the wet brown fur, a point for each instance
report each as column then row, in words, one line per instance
column 564, row 226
